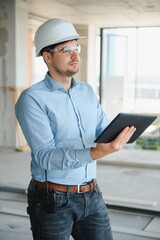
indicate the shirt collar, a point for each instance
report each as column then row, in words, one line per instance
column 53, row 85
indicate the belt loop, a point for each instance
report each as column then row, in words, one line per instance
column 68, row 191
column 46, row 181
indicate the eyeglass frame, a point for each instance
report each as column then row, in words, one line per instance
column 67, row 49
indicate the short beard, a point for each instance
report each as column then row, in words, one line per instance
column 71, row 73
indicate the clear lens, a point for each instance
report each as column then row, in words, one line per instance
column 68, row 49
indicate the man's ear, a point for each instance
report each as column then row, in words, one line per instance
column 47, row 57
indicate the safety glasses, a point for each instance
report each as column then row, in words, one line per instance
column 67, row 49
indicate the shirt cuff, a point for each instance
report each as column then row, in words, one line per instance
column 85, row 156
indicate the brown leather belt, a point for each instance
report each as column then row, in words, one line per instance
column 64, row 188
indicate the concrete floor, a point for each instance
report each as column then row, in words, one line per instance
column 130, row 176
column 127, row 178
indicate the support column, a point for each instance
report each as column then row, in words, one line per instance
column 93, row 57
column 13, row 64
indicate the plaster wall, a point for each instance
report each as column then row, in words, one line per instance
column 13, row 64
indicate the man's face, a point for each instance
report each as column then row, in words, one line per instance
column 65, row 58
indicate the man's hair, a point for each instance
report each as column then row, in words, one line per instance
column 47, row 49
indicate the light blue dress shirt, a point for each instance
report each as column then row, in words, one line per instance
column 60, row 127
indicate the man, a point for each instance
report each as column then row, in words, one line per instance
column 60, row 118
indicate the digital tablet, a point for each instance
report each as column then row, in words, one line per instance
column 122, row 120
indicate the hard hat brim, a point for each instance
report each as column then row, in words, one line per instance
column 60, row 41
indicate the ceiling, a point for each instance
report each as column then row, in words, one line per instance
column 100, row 13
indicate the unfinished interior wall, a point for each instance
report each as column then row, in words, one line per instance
column 16, row 65
column 13, row 64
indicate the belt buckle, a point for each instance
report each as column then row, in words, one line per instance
column 78, row 189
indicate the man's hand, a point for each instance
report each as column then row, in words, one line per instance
column 103, row 149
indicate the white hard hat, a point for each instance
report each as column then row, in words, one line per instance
column 52, row 32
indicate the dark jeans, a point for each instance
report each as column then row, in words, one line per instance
column 58, row 215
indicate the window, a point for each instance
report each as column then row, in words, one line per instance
column 130, row 82
column 131, row 70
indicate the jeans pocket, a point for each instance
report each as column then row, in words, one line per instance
column 98, row 191
column 62, row 201
column 48, row 202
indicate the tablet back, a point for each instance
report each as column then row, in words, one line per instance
column 122, row 120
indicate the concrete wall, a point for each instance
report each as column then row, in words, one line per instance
column 16, row 63
column 13, row 64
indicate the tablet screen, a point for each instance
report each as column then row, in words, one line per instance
column 122, row 120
